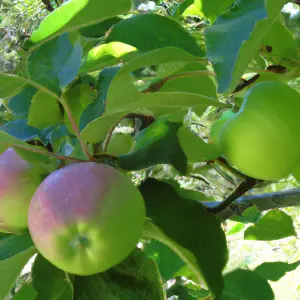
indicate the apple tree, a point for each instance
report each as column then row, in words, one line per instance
column 133, row 133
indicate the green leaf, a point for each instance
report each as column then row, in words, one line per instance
column 163, row 103
column 212, row 9
column 44, row 111
column 106, row 55
column 195, row 149
column 135, row 278
column 250, row 215
column 78, row 97
column 20, row 103
column 197, row 84
column 158, row 56
column 56, row 63
column 98, row 30
column 27, row 292
column 167, row 261
column 120, row 143
column 11, row 245
column 187, row 291
column 76, row 14
column 238, row 227
column 20, row 130
column 247, row 285
column 96, row 109
column 282, row 42
column 10, row 270
column 150, row 31
column 232, row 50
column 223, row 47
column 274, row 225
column 11, row 85
column 275, row 270
column 157, row 144
column 97, row 130
column 50, row 282
column 199, row 237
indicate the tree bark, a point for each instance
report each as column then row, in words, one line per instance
column 262, row 202
column 48, row 5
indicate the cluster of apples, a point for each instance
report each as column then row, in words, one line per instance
column 262, row 139
column 84, row 218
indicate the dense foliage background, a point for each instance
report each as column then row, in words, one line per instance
column 78, row 89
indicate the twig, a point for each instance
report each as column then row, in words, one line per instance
column 222, row 174
column 75, row 128
column 234, row 171
column 244, row 187
column 199, row 178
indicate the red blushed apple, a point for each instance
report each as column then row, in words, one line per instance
column 18, row 182
column 86, row 218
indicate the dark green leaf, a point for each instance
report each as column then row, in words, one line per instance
column 50, row 282
column 56, row 63
column 14, row 244
column 223, row 47
column 274, row 225
column 27, row 292
column 200, row 233
column 96, row 109
column 149, row 32
column 136, row 278
column 185, row 291
column 167, row 261
column 275, row 270
column 100, row 29
column 10, row 270
column 246, row 285
column 157, row 144
column 20, row 130
column 76, row 14
column 20, row 103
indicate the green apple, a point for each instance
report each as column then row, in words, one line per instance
column 86, row 217
column 19, row 180
column 263, row 139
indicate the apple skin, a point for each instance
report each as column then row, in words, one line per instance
column 86, row 217
column 263, row 139
column 19, row 180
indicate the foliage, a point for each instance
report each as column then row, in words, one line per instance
column 148, row 89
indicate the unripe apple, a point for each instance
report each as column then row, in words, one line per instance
column 86, row 217
column 18, row 182
column 263, row 139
